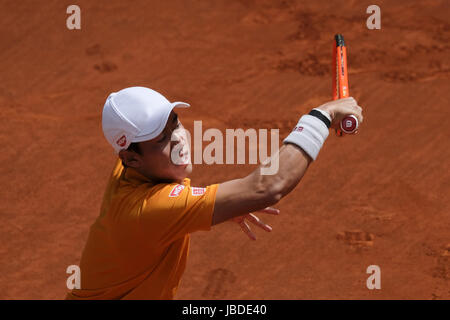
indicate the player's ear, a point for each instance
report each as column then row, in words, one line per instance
column 130, row 158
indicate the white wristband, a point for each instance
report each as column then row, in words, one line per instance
column 309, row 134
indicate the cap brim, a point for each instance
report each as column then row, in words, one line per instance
column 166, row 117
column 180, row 105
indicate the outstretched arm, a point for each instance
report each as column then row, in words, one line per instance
column 257, row 190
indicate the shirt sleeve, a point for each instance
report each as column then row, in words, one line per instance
column 174, row 210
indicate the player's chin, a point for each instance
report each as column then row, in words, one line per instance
column 182, row 171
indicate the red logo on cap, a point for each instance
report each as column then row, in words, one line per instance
column 122, row 141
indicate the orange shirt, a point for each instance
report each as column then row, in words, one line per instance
column 138, row 246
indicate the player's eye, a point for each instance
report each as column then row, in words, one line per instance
column 163, row 138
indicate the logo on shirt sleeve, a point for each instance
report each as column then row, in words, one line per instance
column 176, row 190
column 197, row 191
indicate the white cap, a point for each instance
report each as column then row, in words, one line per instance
column 135, row 114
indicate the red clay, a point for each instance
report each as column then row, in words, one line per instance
column 380, row 197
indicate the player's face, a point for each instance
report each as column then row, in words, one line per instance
column 168, row 156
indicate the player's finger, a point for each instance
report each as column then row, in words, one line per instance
column 246, row 228
column 359, row 115
column 350, row 101
column 255, row 220
column 270, row 210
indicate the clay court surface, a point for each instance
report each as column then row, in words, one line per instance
column 378, row 198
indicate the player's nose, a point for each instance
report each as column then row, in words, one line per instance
column 178, row 138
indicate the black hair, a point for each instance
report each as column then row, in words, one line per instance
column 134, row 146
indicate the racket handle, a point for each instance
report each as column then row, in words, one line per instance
column 348, row 125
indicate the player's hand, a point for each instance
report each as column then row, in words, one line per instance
column 339, row 109
column 250, row 217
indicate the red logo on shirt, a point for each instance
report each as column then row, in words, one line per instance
column 176, row 190
column 198, row 191
column 122, row 141
column 299, row 129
